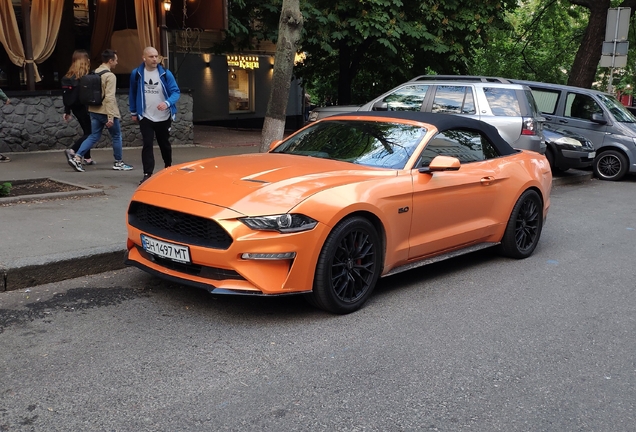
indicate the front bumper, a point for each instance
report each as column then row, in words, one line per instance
column 224, row 268
column 567, row 159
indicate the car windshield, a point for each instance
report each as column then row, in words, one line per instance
column 618, row 110
column 370, row 143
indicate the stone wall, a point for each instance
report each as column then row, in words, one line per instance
column 34, row 122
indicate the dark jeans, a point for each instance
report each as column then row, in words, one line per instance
column 149, row 130
column 84, row 119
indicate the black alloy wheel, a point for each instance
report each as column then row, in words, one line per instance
column 348, row 266
column 610, row 165
column 524, row 226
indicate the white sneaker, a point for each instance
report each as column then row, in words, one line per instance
column 121, row 166
column 76, row 164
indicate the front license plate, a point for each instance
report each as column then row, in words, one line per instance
column 167, row 250
column 591, row 155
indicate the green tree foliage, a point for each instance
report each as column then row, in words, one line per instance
column 365, row 47
column 539, row 42
column 357, row 49
column 555, row 41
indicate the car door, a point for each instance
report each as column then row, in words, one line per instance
column 572, row 109
column 455, row 208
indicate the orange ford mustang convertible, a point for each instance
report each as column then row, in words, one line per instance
column 338, row 204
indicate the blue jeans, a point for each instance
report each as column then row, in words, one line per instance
column 97, row 126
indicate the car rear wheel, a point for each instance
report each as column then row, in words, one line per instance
column 348, row 266
column 610, row 165
column 524, row 226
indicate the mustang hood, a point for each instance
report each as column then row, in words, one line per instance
column 258, row 184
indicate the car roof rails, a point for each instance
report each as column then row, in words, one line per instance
column 465, row 78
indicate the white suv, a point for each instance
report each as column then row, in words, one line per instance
column 509, row 107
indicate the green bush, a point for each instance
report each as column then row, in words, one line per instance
column 5, row 189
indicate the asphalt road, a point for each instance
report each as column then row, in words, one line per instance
column 479, row 343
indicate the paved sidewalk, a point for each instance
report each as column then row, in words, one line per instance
column 50, row 240
column 45, row 241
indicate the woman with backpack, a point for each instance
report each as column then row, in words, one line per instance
column 80, row 66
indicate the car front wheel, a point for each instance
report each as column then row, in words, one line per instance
column 549, row 154
column 524, row 226
column 610, row 165
column 348, row 267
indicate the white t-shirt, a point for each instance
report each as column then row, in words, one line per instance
column 153, row 95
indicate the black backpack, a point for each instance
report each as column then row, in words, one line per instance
column 70, row 91
column 90, row 88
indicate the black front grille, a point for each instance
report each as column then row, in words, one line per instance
column 178, row 226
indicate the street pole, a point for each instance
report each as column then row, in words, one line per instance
column 164, row 6
column 610, row 86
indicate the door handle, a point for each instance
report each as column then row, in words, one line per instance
column 486, row 180
column 563, row 121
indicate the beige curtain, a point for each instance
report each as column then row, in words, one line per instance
column 102, row 29
column 126, row 42
column 46, row 16
column 10, row 34
column 146, row 16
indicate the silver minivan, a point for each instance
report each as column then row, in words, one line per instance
column 598, row 116
column 507, row 106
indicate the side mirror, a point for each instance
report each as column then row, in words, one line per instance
column 274, row 144
column 442, row 163
column 380, row 106
column 599, row 118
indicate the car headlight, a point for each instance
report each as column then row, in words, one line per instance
column 313, row 116
column 283, row 223
column 567, row 141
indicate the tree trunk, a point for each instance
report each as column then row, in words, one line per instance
column 589, row 54
column 349, row 64
column 289, row 28
column 344, row 73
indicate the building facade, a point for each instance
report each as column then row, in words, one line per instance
column 230, row 89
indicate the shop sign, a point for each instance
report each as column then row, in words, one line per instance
column 245, row 62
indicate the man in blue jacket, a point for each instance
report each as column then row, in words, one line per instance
column 153, row 97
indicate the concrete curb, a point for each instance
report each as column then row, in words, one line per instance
column 84, row 191
column 55, row 268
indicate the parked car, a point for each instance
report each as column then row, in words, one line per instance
column 338, row 204
column 599, row 117
column 567, row 149
column 509, row 107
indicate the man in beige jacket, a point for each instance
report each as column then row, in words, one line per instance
column 107, row 114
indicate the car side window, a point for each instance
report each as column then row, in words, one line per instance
column 503, row 101
column 407, row 98
column 453, row 100
column 581, row 106
column 546, row 100
column 466, row 145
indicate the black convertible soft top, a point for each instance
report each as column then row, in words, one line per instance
column 442, row 122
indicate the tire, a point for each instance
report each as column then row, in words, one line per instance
column 524, row 226
column 348, row 267
column 610, row 165
column 549, row 154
